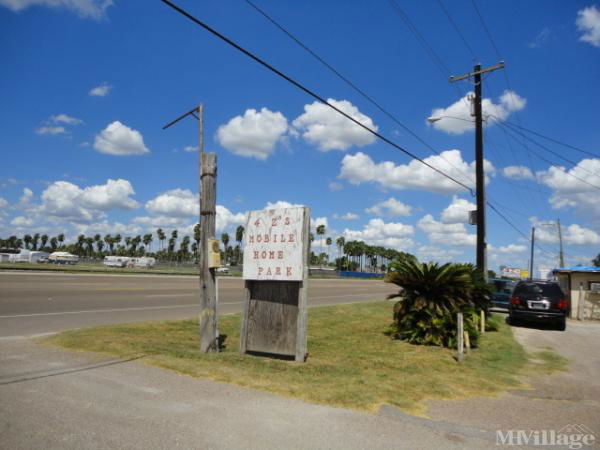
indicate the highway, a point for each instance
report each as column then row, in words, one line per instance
column 35, row 303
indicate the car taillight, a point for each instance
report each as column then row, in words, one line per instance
column 562, row 304
column 515, row 300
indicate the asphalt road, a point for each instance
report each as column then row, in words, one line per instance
column 38, row 303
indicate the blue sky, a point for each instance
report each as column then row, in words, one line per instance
column 87, row 85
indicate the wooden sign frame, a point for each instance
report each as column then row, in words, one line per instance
column 275, row 310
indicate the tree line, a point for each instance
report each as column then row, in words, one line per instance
column 164, row 246
column 161, row 245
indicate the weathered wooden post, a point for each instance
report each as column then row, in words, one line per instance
column 460, row 337
column 276, row 275
column 209, row 256
column 482, row 320
column 580, row 303
column 209, row 339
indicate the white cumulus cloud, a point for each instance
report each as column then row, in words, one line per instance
column 50, row 130
column 93, row 9
column 518, row 173
column 347, row 216
column 254, row 134
column 379, row 233
column 175, row 203
column 457, row 119
column 575, row 188
column 118, row 139
column 226, row 219
column 458, row 211
column 66, row 119
column 279, row 204
column 22, row 221
column 390, row 207
column 328, row 130
column 360, row 168
column 451, row 234
column 588, row 22
column 68, row 201
column 102, row 90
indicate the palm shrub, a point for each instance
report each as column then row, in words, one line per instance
column 430, row 296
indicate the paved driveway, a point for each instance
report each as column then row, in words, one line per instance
column 553, row 402
column 54, row 399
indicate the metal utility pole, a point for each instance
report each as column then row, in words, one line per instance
column 479, row 172
column 209, row 334
column 531, row 260
column 561, row 257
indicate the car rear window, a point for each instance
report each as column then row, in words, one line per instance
column 546, row 290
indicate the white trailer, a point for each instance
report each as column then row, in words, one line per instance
column 5, row 257
column 63, row 258
column 144, row 261
column 116, row 261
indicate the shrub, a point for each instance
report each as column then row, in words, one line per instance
column 431, row 295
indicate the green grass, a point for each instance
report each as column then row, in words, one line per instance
column 351, row 362
column 97, row 268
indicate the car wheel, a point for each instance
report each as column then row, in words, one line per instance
column 512, row 321
column 562, row 324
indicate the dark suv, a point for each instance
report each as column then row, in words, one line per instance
column 539, row 301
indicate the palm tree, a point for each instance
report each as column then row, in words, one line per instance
column 90, row 245
column 27, row 239
column 80, row 242
column 239, row 234
column 60, row 238
column 134, row 244
column 128, row 243
column 35, row 240
column 225, row 240
column 117, row 239
column 431, row 296
column 184, row 246
column 161, row 238
column 97, row 238
column 109, row 241
column 321, row 232
column 44, row 240
column 340, row 242
column 147, row 241
column 328, row 242
column 53, row 243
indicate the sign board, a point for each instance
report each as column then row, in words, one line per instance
column 274, row 245
column 511, row 272
column 276, row 272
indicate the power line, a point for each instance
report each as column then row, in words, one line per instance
column 554, row 165
column 503, row 217
column 432, row 54
column 509, row 143
column 558, row 155
column 585, row 152
column 487, row 31
column 353, row 85
column 462, row 37
column 308, row 91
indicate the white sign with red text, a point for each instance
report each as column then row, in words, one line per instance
column 273, row 245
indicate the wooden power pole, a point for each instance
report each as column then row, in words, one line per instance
column 561, row 256
column 479, row 172
column 209, row 334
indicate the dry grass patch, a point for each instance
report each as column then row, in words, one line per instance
column 352, row 362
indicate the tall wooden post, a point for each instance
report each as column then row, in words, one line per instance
column 209, row 339
column 460, row 335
